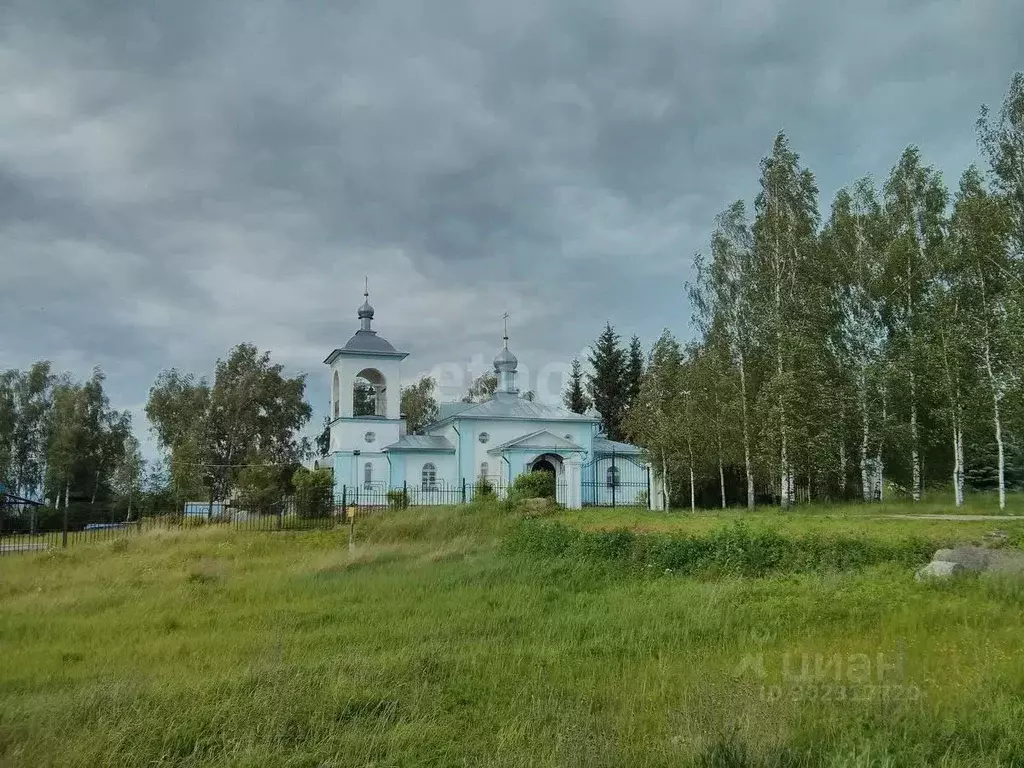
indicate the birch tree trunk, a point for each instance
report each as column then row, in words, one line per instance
column 787, row 476
column 842, row 454
column 915, row 455
column 997, row 423
column 879, row 469
column 666, row 486
column 958, row 461
column 721, row 481
column 746, row 433
column 693, row 496
column 996, row 397
column 915, row 451
column 718, row 437
column 866, row 488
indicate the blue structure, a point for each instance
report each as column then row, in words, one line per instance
column 499, row 439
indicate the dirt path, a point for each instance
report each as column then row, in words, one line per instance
column 960, row 518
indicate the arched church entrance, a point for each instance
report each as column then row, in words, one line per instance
column 543, row 465
column 552, row 464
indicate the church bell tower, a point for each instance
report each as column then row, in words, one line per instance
column 365, row 402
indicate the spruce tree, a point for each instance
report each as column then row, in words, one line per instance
column 634, row 369
column 607, row 383
column 575, row 396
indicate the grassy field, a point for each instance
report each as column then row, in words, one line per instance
column 891, row 519
column 444, row 641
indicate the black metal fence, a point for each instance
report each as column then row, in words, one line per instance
column 28, row 526
column 616, row 480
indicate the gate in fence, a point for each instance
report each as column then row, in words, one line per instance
column 616, row 480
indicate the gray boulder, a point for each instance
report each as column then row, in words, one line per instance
column 939, row 569
column 1006, row 561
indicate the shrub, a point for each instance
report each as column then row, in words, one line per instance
column 483, row 490
column 398, row 498
column 314, row 492
column 533, row 485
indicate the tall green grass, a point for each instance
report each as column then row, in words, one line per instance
column 439, row 641
column 733, row 549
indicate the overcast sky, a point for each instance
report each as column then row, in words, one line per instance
column 178, row 177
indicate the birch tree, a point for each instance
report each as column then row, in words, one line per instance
column 984, row 273
column 915, row 201
column 784, row 245
column 128, row 473
column 948, row 328
column 722, row 298
column 66, row 438
column 854, row 238
column 711, row 405
column 32, row 392
column 1002, row 140
column 655, row 421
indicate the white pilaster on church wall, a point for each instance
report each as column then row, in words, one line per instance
column 573, row 477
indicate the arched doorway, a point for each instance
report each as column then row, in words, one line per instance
column 552, row 464
column 543, row 465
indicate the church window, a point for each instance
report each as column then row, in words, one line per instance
column 484, row 437
column 568, row 436
column 483, row 469
column 337, row 395
column 429, row 477
column 612, row 477
column 367, row 475
column 369, row 437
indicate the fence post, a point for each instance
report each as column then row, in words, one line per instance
column 344, row 501
column 647, row 472
column 615, row 478
column 64, row 534
column 463, row 490
column 351, row 533
column 280, row 515
column 405, row 494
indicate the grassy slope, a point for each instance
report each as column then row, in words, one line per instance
column 433, row 646
column 873, row 520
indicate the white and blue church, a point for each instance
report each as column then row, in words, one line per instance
column 498, row 439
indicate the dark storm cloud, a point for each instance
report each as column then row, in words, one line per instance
column 178, row 177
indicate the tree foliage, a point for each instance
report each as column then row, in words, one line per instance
column 419, row 404
column 878, row 352
column 251, row 414
column 481, row 389
column 59, row 438
column 608, row 385
column 575, row 395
